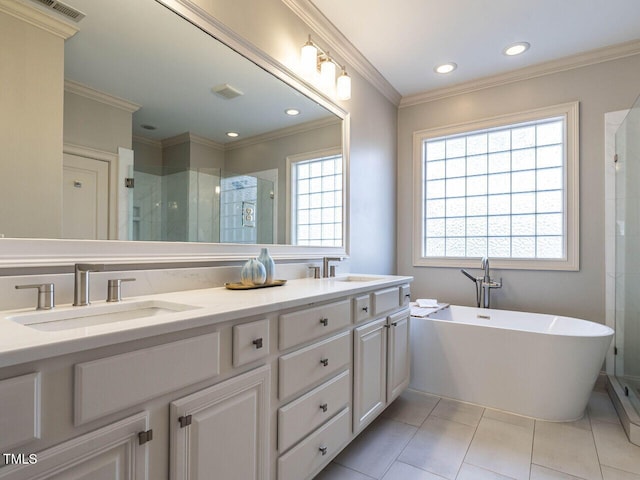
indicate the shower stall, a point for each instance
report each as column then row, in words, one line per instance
column 203, row 205
column 625, row 385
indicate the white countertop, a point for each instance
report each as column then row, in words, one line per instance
column 21, row 343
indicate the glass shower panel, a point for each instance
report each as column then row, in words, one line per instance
column 627, row 364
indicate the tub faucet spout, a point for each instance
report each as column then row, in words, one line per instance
column 484, row 300
column 484, row 264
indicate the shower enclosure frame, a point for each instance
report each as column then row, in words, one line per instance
column 622, row 397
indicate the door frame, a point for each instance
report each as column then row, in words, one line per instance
column 112, row 161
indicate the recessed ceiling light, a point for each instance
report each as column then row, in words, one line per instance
column 292, row 111
column 232, row 134
column 445, row 68
column 516, row 48
column 148, row 127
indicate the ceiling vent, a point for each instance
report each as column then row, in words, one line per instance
column 226, row 91
column 62, row 8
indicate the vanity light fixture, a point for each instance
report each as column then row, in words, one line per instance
column 317, row 65
column 445, row 68
column 292, row 112
column 516, row 48
column 343, row 86
column 232, row 134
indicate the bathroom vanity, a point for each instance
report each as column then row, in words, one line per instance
column 259, row 384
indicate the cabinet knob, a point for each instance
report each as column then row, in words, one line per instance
column 324, row 362
column 323, row 450
column 365, row 309
column 324, row 321
column 324, row 407
column 258, row 342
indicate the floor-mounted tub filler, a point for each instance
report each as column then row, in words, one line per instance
column 540, row 366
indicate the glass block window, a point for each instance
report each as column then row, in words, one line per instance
column 316, row 200
column 499, row 191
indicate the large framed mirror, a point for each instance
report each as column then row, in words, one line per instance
column 179, row 147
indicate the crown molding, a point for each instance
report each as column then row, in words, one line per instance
column 188, row 137
column 33, row 15
column 585, row 59
column 98, row 96
column 340, row 45
column 283, row 132
column 147, row 141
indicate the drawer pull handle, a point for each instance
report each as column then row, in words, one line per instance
column 324, row 407
column 324, row 321
column 257, row 342
column 365, row 309
column 323, row 450
column 324, row 362
column 408, row 295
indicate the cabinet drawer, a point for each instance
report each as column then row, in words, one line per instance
column 302, row 416
column 305, row 325
column 405, row 295
column 362, row 308
column 385, row 300
column 250, row 342
column 114, row 383
column 309, row 456
column 20, row 412
column 306, row 366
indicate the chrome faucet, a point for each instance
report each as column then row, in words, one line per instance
column 484, row 264
column 81, row 282
column 484, row 284
column 325, row 266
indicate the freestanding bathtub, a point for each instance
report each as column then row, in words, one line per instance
column 540, row 366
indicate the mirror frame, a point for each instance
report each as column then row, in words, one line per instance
column 19, row 253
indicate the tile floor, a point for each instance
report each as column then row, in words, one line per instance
column 422, row 437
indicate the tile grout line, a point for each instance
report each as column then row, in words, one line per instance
column 412, row 437
column 533, row 442
column 475, row 431
column 593, row 437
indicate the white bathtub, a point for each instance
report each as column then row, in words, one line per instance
column 540, row 366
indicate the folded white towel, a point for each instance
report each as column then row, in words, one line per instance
column 427, row 302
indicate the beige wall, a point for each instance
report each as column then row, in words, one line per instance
column 31, row 86
column 205, row 156
column 599, row 88
column 94, row 124
column 280, row 33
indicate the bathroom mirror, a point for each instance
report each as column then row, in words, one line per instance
column 160, row 95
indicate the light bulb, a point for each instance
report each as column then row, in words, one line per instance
column 343, row 88
column 328, row 76
column 308, row 59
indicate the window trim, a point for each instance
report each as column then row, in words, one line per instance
column 290, row 202
column 571, row 190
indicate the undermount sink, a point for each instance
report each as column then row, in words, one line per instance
column 67, row 318
column 359, row 278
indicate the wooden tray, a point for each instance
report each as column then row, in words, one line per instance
column 240, row 286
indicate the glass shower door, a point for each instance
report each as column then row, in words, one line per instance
column 627, row 363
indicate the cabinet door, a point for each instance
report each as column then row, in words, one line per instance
column 370, row 372
column 109, row 453
column 398, row 367
column 225, row 432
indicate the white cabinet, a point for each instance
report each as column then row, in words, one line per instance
column 113, row 452
column 223, row 431
column 309, row 456
column 381, row 366
column 398, row 366
column 370, row 372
